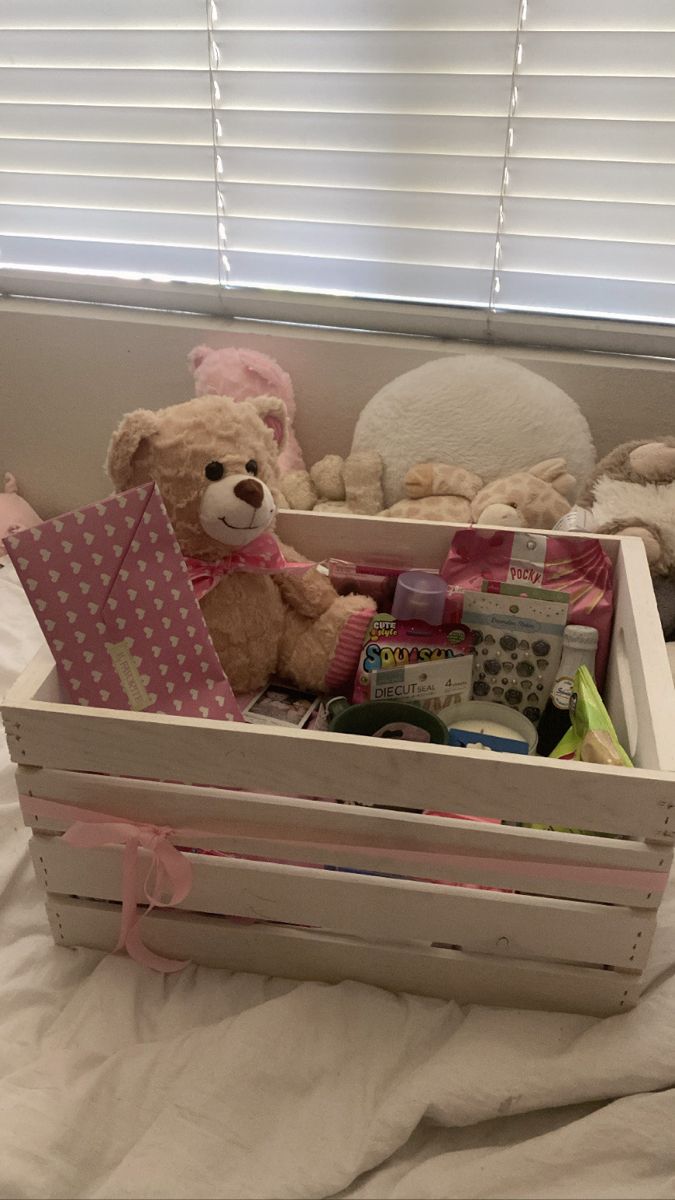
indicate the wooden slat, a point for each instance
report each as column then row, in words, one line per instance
column 409, row 543
column 639, row 688
column 367, row 906
column 534, row 861
column 336, row 766
column 300, row 954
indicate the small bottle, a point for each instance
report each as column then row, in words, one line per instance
column 580, row 643
column 420, row 596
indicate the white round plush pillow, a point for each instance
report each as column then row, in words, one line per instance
column 487, row 414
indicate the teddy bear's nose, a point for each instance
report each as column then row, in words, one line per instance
column 251, row 491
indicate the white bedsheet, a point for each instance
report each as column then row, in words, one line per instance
column 120, row 1083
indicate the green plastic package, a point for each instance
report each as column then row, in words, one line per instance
column 591, row 737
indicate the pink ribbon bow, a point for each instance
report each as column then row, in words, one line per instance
column 168, row 879
column 262, row 557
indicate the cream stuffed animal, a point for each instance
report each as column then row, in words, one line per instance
column 436, row 492
column 633, row 492
column 534, row 499
column 337, row 484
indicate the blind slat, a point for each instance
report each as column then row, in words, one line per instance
column 102, row 14
column 589, row 53
column 383, row 15
column 608, row 221
column 363, row 131
column 109, row 192
column 153, row 228
column 556, row 15
column 598, row 258
column 590, row 180
column 370, row 50
column 112, row 158
column 582, row 295
column 346, row 168
column 620, row 141
column 374, row 206
column 340, row 276
column 349, row 92
column 111, row 258
column 174, row 50
column 605, row 97
column 323, row 239
column 72, row 122
column 154, row 89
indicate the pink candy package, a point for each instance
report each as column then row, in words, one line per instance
column 577, row 566
column 394, row 645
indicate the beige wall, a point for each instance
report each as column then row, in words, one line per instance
column 68, row 373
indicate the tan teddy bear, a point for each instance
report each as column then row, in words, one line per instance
column 215, row 464
column 336, row 484
column 537, row 498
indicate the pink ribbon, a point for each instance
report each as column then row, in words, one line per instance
column 167, row 881
column 261, row 557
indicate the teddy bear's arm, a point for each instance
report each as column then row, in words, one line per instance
column 310, row 593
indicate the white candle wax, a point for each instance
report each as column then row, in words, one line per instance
column 482, row 725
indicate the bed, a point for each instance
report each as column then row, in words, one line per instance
column 121, row 1083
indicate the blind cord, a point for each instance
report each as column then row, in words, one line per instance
column 495, row 283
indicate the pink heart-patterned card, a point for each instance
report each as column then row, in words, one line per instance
column 110, row 588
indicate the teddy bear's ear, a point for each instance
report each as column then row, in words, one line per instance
column 127, row 440
column 554, row 471
column 273, row 412
column 197, row 356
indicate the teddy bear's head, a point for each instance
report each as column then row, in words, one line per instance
column 534, row 499
column 239, row 373
column 637, row 462
column 214, row 462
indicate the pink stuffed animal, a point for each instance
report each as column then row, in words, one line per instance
column 243, row 375
column 15, row 513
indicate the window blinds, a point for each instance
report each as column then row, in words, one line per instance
column 495, row 156
column 106, row 150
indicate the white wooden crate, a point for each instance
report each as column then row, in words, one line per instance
column 571, row 928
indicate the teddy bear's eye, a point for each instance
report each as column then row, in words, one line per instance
column 252, row 467
column 214, row 471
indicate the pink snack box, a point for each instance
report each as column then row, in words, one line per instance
column 110, row 588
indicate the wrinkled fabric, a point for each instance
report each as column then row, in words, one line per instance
column 119, row 1082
